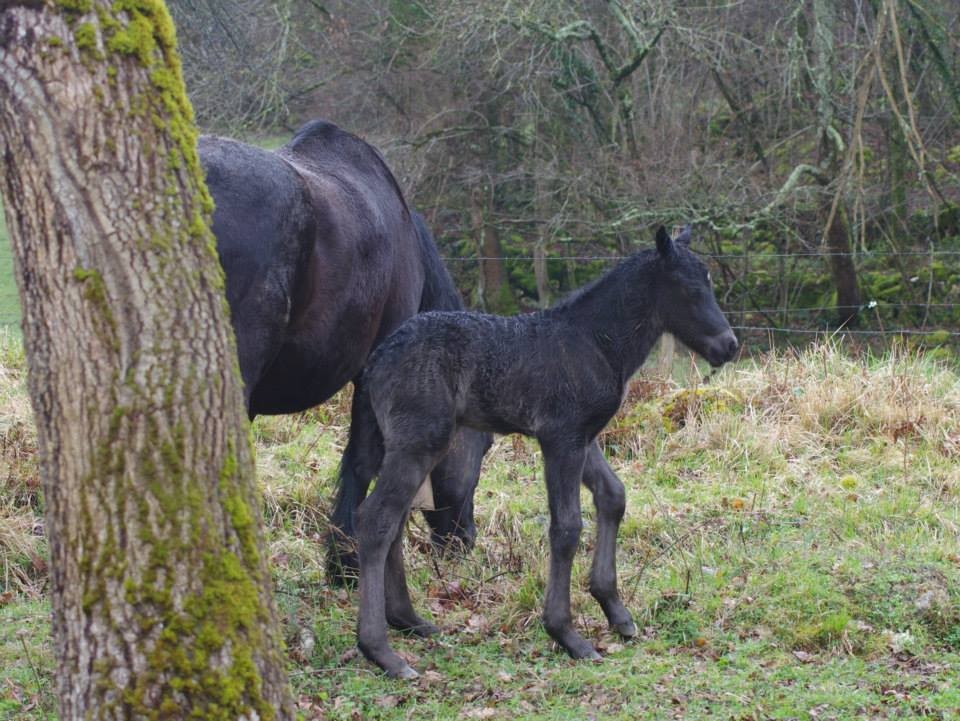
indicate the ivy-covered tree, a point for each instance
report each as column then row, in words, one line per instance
column 159, row 581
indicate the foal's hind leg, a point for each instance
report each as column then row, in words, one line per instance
column 379, row 522
column 564, row 468
column 610, row 500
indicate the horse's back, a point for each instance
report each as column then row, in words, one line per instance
column 321, row 258
column 263, row 222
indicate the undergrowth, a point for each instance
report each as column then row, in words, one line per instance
column 790, row 551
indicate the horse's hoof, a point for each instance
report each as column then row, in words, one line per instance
column 417, row 627
column 452, row 545
column 425, row 630
column 627, row 629
column 342, row 572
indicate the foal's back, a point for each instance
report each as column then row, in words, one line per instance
column 501, row 374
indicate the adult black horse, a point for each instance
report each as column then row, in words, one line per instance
column 323, row 259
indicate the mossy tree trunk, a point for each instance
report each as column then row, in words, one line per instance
column 159, row 581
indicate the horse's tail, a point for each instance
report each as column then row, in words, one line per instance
column 360, row 463
column 439, row 292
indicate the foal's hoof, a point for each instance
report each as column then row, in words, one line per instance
column 583, row 652
column 591, row 656
column 404, row 674
column 627, row 629
column 392, row 663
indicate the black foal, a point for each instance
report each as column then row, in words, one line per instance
column 559, row 376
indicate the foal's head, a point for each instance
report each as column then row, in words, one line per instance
column 688, row 307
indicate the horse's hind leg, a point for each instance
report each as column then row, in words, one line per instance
column 361, row 461
column 610, row 500
column 379, row 522
column 454, row 481
column 564, row 468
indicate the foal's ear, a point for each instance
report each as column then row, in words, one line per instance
column 684, row 237
column 664, row 244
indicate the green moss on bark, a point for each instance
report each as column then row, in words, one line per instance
column 203, row 659
column 85, row 36
column 136, row 38
column 76, row 6
column 95, row 293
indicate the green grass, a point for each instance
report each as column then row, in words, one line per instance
column 9, row 303
column 790, row 551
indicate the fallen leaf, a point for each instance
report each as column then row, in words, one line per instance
column 478, row 713
column 390, row 701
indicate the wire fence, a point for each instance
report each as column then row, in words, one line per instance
column 917, row 296
column 775, row 298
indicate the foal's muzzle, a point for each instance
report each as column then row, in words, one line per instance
column 721, row 348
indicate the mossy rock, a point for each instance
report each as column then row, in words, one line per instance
column 696, row 404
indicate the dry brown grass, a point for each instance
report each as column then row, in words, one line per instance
column 22, row 546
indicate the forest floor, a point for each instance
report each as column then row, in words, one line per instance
column 791, row 550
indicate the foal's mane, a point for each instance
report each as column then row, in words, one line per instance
column 630, row 268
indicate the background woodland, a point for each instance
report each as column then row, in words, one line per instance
column 814, row 145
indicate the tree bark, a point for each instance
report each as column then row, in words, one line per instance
column 844, row 273
column 159, row 581
column 492, row 284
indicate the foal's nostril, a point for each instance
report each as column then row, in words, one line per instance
column 732, row 345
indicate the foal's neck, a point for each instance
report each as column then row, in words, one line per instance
column 621, row 310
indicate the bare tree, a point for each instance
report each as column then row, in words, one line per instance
column 559, row 129
column 159, row 581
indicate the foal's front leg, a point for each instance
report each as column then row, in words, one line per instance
column 610, row 499
column 564, row 468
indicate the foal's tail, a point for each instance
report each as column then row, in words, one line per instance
column 360, row 462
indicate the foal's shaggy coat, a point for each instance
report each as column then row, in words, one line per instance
column 558, row 376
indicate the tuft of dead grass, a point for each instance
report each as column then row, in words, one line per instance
column 22, row 546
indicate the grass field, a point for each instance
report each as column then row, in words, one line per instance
column 790, row 551
column 9, row 304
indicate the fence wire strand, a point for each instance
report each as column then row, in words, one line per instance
column 745, row 312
